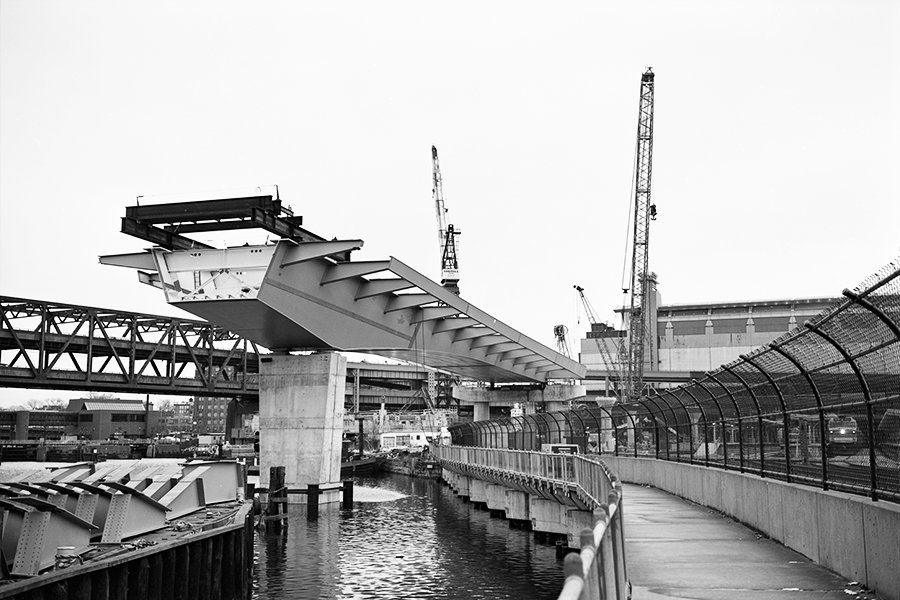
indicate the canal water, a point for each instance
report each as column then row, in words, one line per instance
column 405, row 538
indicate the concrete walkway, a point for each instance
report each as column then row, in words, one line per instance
column 677, row 549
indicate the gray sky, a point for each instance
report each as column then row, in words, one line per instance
column 775, row 133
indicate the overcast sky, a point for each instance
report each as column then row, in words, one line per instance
column 774, row 164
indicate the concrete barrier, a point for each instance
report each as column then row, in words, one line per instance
column 852, row 535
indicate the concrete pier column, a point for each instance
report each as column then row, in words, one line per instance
column 548, row 516
column 461, row 486
column 481, row 411
column 576, row 520
column 478, row 491
column 496, row 498
column 301, row 414
column 517, row 506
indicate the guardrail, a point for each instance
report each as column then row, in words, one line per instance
column 598, row 570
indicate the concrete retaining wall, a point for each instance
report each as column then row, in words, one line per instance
column 851, row 535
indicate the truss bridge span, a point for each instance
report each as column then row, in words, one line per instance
column 50, row 345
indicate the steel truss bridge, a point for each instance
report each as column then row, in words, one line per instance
column 49, row 345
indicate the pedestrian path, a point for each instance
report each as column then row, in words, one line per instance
column 676, row 549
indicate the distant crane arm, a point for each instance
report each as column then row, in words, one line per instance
column 446, row 233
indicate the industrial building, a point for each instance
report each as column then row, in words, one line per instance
column 86, row 419
column 690, row 339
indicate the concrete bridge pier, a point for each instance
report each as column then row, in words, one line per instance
column 548, row 516
column 458, row 483
column 576, row 521
column 517, row 509
column 496, row 500
column 562, row 520
column 478, row 493
column 301, row 413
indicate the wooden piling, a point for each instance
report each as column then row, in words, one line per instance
column 277, row 497
column 348, row 494
column 312, row 501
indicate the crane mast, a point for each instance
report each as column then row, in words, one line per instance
column 644, row 212
column 446, row 233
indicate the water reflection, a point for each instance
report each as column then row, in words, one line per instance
column 404, row 538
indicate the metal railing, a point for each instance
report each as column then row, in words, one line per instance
column 598, row 570
column 820, row 405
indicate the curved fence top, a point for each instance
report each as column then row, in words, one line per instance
column 819, row 404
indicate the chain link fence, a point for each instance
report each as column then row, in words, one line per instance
column 820, row 405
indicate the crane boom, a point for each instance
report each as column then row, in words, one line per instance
column 644, row 212
column 597, row 332
column 446, row 233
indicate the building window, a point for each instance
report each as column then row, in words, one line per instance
column 126, row 418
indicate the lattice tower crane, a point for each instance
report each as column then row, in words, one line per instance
column 597, row 329
column 446, row 233
column 644, row 212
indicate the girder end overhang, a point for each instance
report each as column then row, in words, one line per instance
column 297, row 296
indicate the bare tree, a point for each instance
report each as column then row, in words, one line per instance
column 45, row 404
column 55, row 404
